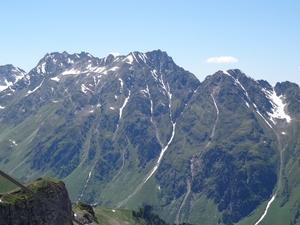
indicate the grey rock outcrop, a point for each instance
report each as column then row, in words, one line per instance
column 20, row 208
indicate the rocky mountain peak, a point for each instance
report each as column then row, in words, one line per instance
column 9, row 75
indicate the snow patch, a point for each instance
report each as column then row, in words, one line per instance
column 247, row 104
column 278, row 106
column 41, row 68
column 85, row 89
column 8, row 84
column 97, row 69
column 128, row 59
column 121, row 83
column 70, row 61
column 225, row 72
column 55, row 79
column 89, row 66
column 71, row 71
column 114, row 68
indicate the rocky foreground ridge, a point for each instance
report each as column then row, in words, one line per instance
column 20, row 208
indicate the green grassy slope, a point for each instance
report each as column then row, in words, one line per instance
column 109, row 216
column 6, row 185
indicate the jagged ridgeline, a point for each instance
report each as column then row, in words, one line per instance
column 128, row 131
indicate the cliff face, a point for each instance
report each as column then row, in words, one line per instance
column 20, row 208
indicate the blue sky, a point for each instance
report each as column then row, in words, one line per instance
column 262, row 38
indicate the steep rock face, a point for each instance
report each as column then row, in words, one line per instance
column 19, row 207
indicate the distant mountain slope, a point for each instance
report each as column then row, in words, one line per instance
column 124, row 131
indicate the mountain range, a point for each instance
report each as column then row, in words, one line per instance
column 135, row 130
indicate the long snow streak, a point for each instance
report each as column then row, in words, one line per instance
column 215, row 103
column 121, row 83
column 266, row 210
column 120, row 204
column 150, row 174
column 215, row 124
column 162, row 154
column 29, row 92
column 143, row 57
column 134, row 57
column 167, row 90
column 151, row 103
column 85, row 185
column 125, row 103
column 263, row 118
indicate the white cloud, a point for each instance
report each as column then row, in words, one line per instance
column 222, row 59
column 298, row 67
